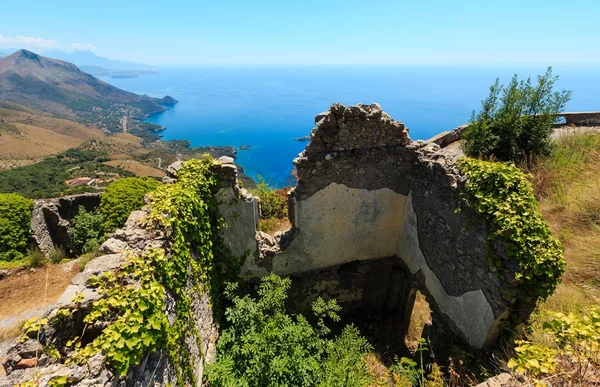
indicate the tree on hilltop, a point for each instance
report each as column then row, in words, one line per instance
column 516, row 120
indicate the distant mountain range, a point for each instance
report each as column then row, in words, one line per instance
column 88, row 61
column 64, row 90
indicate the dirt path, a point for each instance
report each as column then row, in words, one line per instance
column 124, row 124
column 31, row 293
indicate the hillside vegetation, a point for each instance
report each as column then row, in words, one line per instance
column 562, row 343
column 28, row 135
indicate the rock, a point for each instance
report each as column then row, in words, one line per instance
column 26, row 363
column 173, row 168
column 72, row 291
column 169, row 180
column 97, row 266
column 502, row 380
column 226, row 159
column 113, row 246
column 3, row 274
column 30, row 348
column 50, row 220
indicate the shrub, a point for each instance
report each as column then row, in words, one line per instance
column 515, row 121
column 265, row 346
column 15, row 217
column 35, row 257
column 273, row 203
column 57, row 254
column 88, row 230
column 502, row 194
column 121, row 198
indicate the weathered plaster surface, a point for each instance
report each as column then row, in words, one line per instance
column 241, row 215
column 471, row 312
column 339, row 224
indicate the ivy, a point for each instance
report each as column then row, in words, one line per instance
column 133, row 304
column 502, row 194
column 131, row 309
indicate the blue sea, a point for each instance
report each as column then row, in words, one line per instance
column 267, row 107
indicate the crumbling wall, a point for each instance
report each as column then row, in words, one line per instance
column 365, row 192
column 51, row 220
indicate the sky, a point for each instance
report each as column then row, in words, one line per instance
column 311, row 32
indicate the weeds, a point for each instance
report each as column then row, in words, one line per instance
column 57, row 254
column 35, row 257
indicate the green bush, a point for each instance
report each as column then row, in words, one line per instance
column 35, row 257
column 121, row 198
column 273, row 203
column 263, row 345
column 502, row 194
column 88, row 230
column 15, row 217
column 515, row 121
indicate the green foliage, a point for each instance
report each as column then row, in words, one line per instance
column 571, row 350
column 137, row 324
column 121, row 198
column 265, row 346
column 35, row 257
column 31, row 328
column 515, row 121
column 88, row 230
column 57, row 254
column 15, row 217
column 502, row 194
column 47, row 178
column 273, row 203
column 188, row 209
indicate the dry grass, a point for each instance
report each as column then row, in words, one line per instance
column 274, row 225
column 567, row 186
column 136, row 168
column 33, row 136
column 421, row 314
column 24, row 291
column 12, row 332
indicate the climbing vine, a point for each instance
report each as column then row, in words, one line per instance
column 502, row 194
column 133, row 302
column 131, row 309
column 188, row 211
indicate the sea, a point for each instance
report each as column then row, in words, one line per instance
column 266, row 108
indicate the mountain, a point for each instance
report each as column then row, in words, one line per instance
column 63, row 89
column 88, row 58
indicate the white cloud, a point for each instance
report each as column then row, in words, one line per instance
column 83, row 47
column 29, row 41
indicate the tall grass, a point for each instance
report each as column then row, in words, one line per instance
column 572, row 154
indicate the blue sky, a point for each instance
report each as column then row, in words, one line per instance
column 309, row 32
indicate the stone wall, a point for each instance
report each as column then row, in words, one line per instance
column 581, row 118
column 51, row 220
column 365, row 192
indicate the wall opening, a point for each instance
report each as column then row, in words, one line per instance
column 419, row 318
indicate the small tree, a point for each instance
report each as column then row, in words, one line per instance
column 121, row 198
column 15, row 217
column 88, row 230
column 273, row 203
column 515, row 121
column 264, row 345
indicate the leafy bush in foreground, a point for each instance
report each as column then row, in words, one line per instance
column 121, row 198
column 265, row 346
column 88, row 230
column 515, row 121
column 15, row 217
